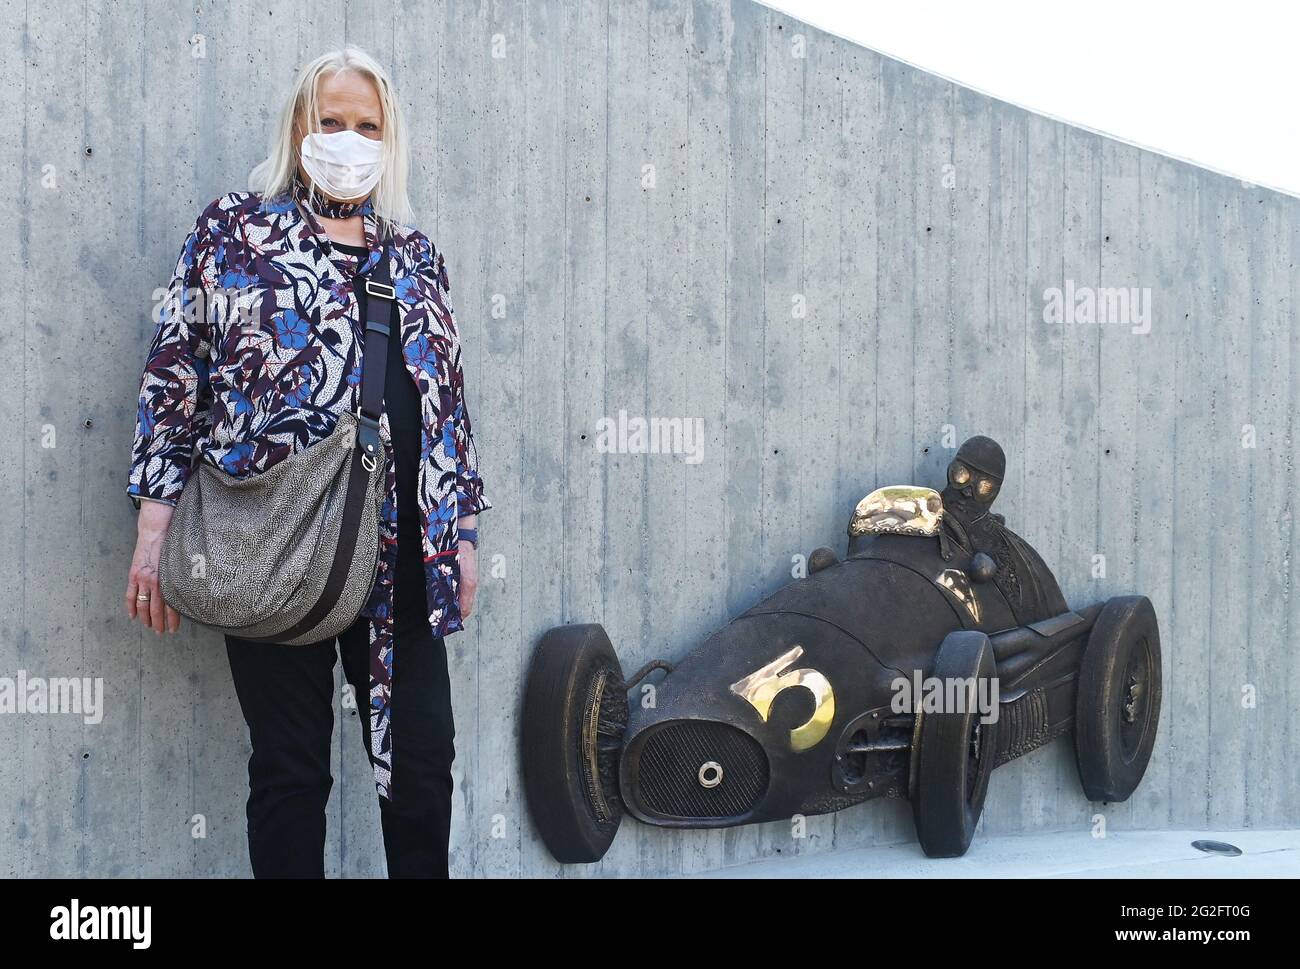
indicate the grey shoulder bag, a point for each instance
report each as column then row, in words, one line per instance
column 289, row 555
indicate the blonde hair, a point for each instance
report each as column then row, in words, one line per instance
column 274, row 176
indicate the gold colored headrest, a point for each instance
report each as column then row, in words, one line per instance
column 898, row 510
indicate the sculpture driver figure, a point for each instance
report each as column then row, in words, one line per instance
column 974, row 479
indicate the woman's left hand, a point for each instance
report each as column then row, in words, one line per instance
column 468, row 578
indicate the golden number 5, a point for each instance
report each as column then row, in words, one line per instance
column 760, row 688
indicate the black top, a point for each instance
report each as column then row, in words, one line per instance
column 405, row 424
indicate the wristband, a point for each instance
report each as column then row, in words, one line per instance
column 468, row 535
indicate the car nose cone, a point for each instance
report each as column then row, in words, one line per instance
column 693, row 772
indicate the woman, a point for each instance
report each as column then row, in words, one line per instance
column 257, row 353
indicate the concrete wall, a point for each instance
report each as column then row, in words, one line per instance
column 918, row 223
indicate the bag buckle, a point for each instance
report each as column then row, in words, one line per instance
column 363, row 418
column 368, row 438
column 382, row 290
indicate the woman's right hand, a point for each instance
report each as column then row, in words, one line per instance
column 151, row 526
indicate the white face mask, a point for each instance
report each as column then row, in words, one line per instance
column 343, row 164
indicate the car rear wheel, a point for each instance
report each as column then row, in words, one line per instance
column 575, row 713
column 1118, row 703
column 955, row 750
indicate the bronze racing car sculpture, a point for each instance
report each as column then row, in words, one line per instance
column 863, row 679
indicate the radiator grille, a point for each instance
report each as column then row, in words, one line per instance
column 669, row 765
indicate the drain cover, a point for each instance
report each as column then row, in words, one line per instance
column 1217, row 848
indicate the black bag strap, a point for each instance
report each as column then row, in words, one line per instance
column 381, row 300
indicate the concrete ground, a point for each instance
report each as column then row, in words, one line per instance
column 1066, row 854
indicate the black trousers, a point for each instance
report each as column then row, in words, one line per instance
column 288, row 699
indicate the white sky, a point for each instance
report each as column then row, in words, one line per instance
column 1216, row 83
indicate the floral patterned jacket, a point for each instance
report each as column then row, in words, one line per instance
column 256, row 354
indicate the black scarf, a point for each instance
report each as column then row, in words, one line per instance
column 327, row 208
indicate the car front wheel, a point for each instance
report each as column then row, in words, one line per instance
column 956, row 750
column 575, row 713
